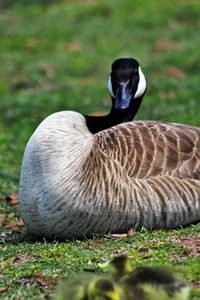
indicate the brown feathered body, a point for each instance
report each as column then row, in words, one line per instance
column 74, row 183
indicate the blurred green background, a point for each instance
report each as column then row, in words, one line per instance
column 56, row 55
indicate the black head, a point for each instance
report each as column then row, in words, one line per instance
column 126, row 82
column 121, row 264
column 104, row 285
column 102, row 288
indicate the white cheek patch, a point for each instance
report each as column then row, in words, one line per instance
column 141, row 85
column 110, row 87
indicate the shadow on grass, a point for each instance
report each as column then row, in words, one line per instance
column 27, row 237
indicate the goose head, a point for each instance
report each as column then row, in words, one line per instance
column 127, row 86
column 120, row 266
column 126, row 83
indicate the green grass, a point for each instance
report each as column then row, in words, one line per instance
column 56, row 56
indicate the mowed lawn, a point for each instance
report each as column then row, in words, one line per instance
column 56, row 55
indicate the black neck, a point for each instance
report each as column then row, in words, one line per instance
column 99, row 123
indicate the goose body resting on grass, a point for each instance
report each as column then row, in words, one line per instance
column 137, row 174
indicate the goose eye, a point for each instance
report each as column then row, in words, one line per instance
column 136, row 72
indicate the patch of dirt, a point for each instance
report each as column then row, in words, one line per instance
column 190, row 244
column 41, row 280
column 165, row 45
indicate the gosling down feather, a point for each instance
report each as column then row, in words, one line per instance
column 98, row 288
column 137, row 174
column 147, row 282
column 154, row 283
column 141, row 283
column 118, row 267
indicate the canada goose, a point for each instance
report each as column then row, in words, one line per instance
column 76, row 287
column 102, row 289
column 154, row 283
column 127, row 86
column 135, row 174
column 141, row 283
column 119, row 266
column 98, row 288
column 147, row 282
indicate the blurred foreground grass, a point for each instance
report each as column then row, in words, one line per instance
column 56, row 55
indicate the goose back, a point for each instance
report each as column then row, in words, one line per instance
column 74, row 183
column 152, row 148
